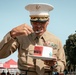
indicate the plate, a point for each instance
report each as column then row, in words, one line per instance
column 40, row 57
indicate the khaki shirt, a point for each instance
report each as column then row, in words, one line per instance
column 25, row 44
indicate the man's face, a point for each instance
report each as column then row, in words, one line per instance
column 39, row 27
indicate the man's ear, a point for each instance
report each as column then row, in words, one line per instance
column 48, row 22
column 30, row 22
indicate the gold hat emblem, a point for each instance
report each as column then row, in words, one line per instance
column 37, row 7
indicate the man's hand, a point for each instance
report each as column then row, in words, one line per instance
column 23, row 29
column 51, row 62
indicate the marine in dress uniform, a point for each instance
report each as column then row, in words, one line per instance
column 23, row 38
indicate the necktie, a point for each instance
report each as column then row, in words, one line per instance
column 39, row 62
column 39, row 41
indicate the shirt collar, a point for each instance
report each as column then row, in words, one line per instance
column 44, row 36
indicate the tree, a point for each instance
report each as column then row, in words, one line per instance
column 70, row 49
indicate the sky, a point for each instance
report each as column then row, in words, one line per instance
column 62, row 18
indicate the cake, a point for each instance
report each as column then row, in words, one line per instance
column 43, row 51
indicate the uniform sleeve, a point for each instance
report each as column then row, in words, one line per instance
column 7, row 46
column 61, row 61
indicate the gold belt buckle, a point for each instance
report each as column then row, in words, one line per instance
column 61, row 73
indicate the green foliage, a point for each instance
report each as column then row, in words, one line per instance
column 70, row 49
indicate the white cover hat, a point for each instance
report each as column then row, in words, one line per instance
column 39, row 9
